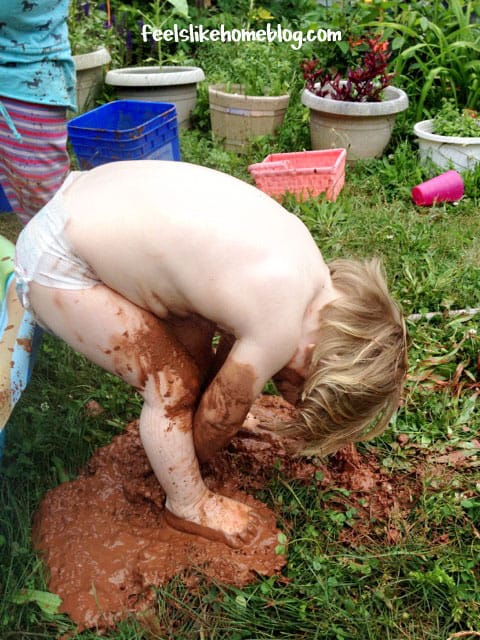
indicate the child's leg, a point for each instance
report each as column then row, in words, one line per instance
column 33, row 168
column 141, row 349
column 196, row 334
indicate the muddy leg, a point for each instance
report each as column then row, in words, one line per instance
column 141, row 349
column 196, row 335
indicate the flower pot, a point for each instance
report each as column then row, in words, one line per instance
column 362, row 128
column 236, row 117
column 89, row 70
column 177, row 85
column 446, row 151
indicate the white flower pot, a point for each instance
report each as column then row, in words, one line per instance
column 89, row 70
column 446, row 151
column 177, row 85
column 362, row 128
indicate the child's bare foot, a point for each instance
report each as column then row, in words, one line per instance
column 218, row 518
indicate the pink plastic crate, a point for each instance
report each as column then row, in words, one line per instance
column 305, row 174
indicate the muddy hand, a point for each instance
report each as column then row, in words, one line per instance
column 217, row 518
column 210, row 439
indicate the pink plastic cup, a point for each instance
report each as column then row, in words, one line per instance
column 447, row 187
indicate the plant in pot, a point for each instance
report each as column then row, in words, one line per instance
column 249, row 97
column 356, row 109
column 160, row 82
column 451, row 139
column 92, row 39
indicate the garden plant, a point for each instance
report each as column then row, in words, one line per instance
column 450, row 121
column 401, row 560
column 364, row 82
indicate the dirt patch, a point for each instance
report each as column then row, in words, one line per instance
column 106, row 542
column 381, row 501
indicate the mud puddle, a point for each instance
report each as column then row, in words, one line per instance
column 106, row 543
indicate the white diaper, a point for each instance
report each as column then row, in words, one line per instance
column 44, row 255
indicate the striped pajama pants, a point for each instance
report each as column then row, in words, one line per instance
column 34, row 167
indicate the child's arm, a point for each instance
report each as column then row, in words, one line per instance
column 226, row 402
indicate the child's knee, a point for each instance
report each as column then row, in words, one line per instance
column 167, row 372
column 176, row 388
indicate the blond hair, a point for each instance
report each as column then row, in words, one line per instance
column 358, row 367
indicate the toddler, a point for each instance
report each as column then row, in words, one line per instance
column 139, row 264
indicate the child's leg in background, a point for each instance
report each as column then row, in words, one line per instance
column 34, row 167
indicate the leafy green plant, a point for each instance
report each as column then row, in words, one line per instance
column 365, row 81
column 261, row 68
column 348, row 18
column 90, row 27
column 159, row 16
column 450, row 121
column 438, row 47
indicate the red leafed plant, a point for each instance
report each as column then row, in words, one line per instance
column 363, row 83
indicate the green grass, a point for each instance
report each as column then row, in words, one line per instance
column 10, row 226
column 337, row 583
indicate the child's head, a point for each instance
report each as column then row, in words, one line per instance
column 359, row 364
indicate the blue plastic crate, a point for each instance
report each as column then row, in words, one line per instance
column 125, row 130
column 4, row 202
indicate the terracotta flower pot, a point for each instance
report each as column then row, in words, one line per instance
column 362, row 128
column 237, row 118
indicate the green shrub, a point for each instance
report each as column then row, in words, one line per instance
column 450, row 121
column 437, row 46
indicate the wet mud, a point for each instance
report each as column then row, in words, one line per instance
column 106, row 542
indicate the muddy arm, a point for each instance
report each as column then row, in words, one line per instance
column 222, row 350
column 222, row 411
column 226, row 402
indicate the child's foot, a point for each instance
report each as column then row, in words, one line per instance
column 218, row 518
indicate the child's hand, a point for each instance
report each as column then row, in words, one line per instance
column 289, row 384
column 210, row 439
column 216, row 517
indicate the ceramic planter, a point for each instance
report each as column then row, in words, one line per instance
column 236, row 117
column 177, row 85
column 446, row 151
column 90, row 71
column 362, row 128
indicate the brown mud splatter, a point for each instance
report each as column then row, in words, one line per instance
column 25, row 343
column 106, row 542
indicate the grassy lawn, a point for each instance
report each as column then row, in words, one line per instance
column 410, row 573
